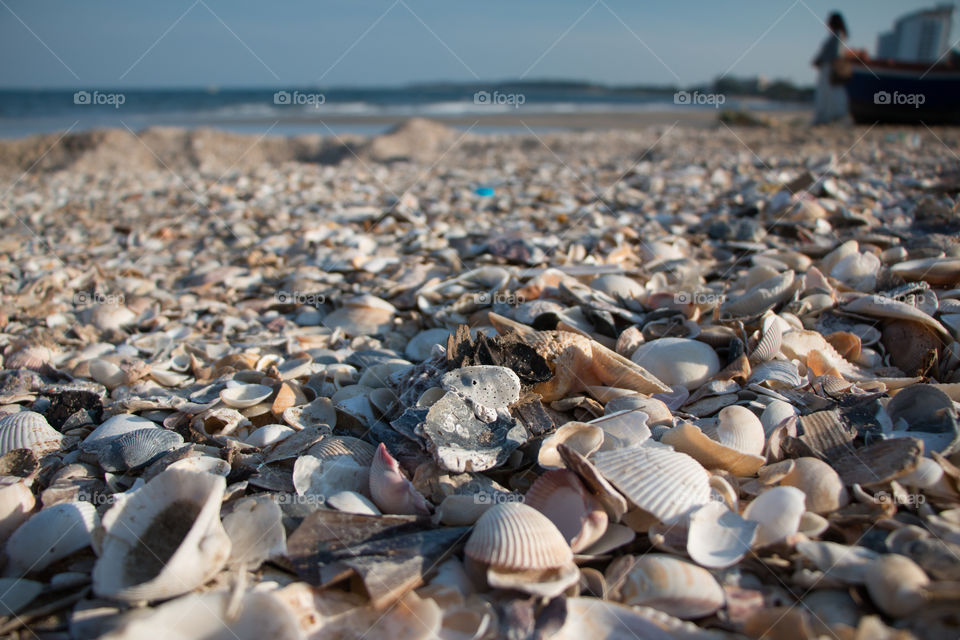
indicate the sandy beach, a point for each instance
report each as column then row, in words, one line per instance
column 434, row 333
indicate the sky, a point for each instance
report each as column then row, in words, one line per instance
column 325, row 43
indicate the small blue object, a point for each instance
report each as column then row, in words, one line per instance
column 486, row 192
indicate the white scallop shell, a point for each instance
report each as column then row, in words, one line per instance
column 114, row 427
column 29, row 358
column 28, row 430
column 48, row 536
column 164, row 539
column 778, row 512
column 664, row 482
column 242, row 396
column 761, row 296
column 740, row 429
column 674, row 586
column 512, row 535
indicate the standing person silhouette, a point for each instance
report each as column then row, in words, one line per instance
column 830, row 99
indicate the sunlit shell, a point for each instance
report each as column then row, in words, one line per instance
column 822, row 486
column 664, row 482
column 268, row 434
column 421, row 345
column 353, row 502
column 676, row 587
column 678, row 361
column 623, row 428
column 761, row 296
column 390, row 490
column 28, row 430
column 582, row 437
column 847, row 344
column 16, row 505
column 740, row 429
column 48, row 536
column 316, row 413
column 936, row 271
column 778, row 512
column 689, row 439
column 318, row 478
column 881, row 307
column 776, row 374
column 560, row 496
column 769, row 345
column 362, row 316
column 164, row 539
column 719, row 537
column 111, row 317
column 32, row 357
column 242, row 396
column 602, row 619
column 112, row 428
column 896, row 585
column 775, row 413
column 331, row 446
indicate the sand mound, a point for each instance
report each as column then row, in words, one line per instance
column 416, row 139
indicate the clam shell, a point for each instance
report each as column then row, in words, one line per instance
column 560, row 496
column 822, row 486
column 107, row 373
column 243, row 396
column 676, row 587
column 678, row 361
column 774, row 414
column 316, row 413
column 740, row 429
column 487, row 386
column 664, row 482
column 512, row 535
column 16, row 505
column 582, row 437
column 137, row 449
column 877, row 306
column 255, row 531
column 364, row 315
column 295, row 368
column 353, row 502
column 48, row 536
column 331, row 446
column 28, row 430
column 268, row 434
column 778, row 512
column 164, row 539
column 896, row 585
column 690, row 440
column 112, row 428
column 111, row 317
column 762, row 296
column 718, row 537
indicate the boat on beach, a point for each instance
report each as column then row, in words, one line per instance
column 888, row 91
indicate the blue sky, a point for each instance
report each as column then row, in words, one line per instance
column 200, row 43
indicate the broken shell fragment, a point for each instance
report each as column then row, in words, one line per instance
column 582, row 437
column 718, row 537
column 391, row 491
column 560, row 496
column 50, row 535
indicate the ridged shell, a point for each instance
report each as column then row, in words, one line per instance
column 560, row 496
column 164, row 540
column 28, row 430
column 664, row 482
column 719, row 537
column 514, row 536
column 778, row 512
column 138, row 449
column 825, row 433
column 48, row 536
column 777, row 374
column 29, row 358
column 333, row 446
column 847, row 344
column 676, row 587
column 762, row 296
column 112, row 428
column 769, row 345
column 690, row 440
column 740, row 429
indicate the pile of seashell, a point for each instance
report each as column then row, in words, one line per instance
column 736, row 424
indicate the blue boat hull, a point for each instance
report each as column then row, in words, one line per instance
column 904, row 96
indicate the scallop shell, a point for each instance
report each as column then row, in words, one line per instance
column 762, row 296
column 740, row 429
column 164, row 539
column 560, row 496
column 137, row 449
column 776, row 374
column 48, row 536
column 769, row 345
column 33, row 358
column 521, row 549
column 512, row 535
column 689, row 439
column 112, row 428
column 676, row 587
column 331, row 446
column 896, row 585
column 718, row 537
column 582, row 437
column 822, row 486
column 28, row 430
column 664, row 482
column 243, row 396
column 778, row 512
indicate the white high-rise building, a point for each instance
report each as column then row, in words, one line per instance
column 921, row 36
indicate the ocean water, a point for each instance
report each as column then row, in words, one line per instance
column 316, row 110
